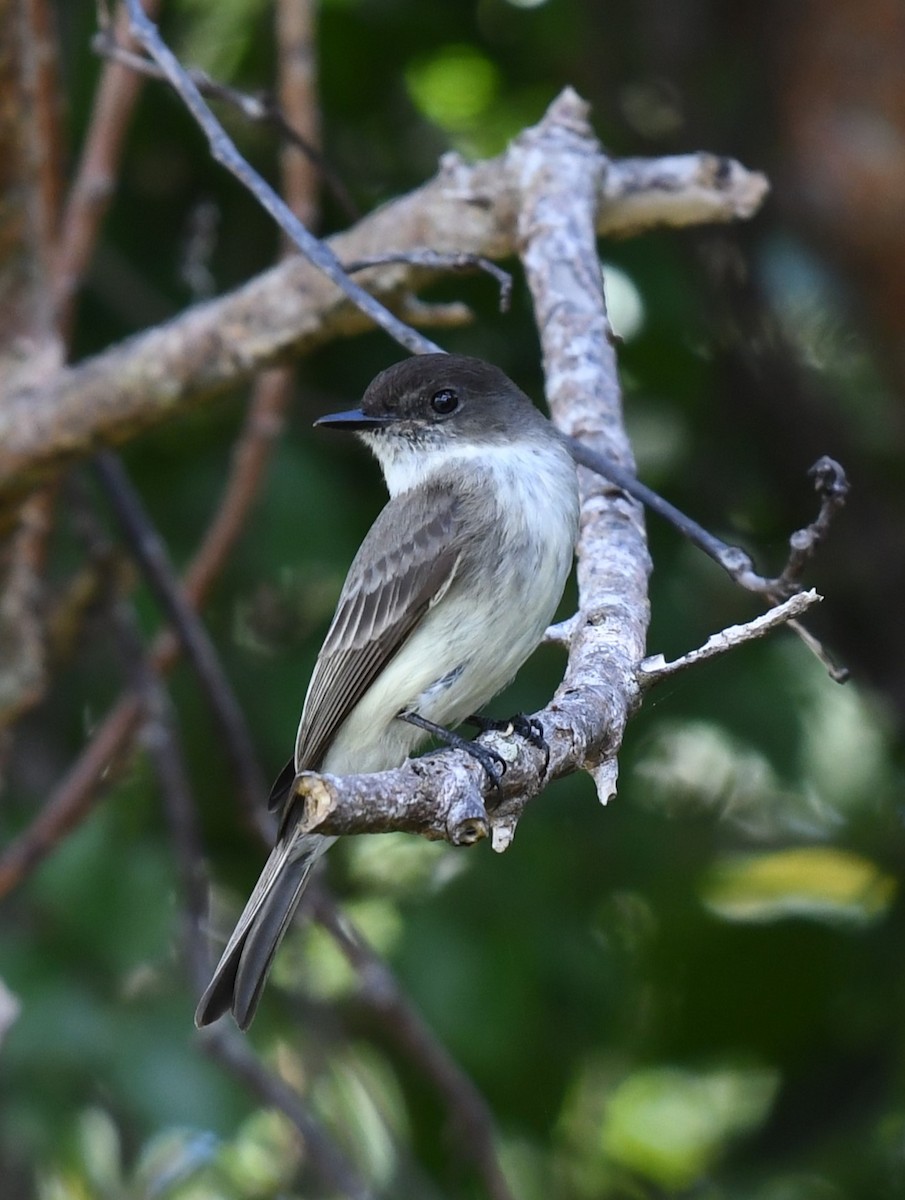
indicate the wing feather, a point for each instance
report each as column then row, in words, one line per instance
column 381, row 603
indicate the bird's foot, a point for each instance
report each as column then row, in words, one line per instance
column 494, row 764
column 526, row 727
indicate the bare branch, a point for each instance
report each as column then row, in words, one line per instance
column 224, row 152
column 471, row 1121
column 832, row 488
column 638, row 194
column 293, row 308
column 454, row 262
column 259, row 109
column 444, row 796
column 655, row 667
column 23, row 652
column 95, row 179
column 562, row 172
column 151, row 554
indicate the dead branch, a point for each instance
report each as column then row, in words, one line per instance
column 654, row 668
column 559, row 166
column 292, row 308
column 259, row 109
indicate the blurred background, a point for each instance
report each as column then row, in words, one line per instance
column 696, row 991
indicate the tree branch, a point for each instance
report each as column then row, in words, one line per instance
column 223, row 150
column 293, row 308
column 655, row 668
column 559, row 167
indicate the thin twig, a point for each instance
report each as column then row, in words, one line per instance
column 470, row 1118
column 94, row 184
column 832, row 488
column 260, row 109
column 654, row 668
column 223, row 150
column 830, row 484
column 151, row 554
column 435, row 261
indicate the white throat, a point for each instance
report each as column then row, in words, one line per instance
column 406, row 466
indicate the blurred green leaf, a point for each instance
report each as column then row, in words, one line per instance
column 818, row 882
column 453, row 87
column 670, row 1125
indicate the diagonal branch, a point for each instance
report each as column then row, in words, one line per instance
column 293, row 308
column 223, row 150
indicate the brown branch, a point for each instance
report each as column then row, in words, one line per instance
column 471, row 1121
column 224, row 151
column 30, row 352
column 293, row 308
column 29, row 191
column 75, row 797
column 93, row 186
column 23, row 651
column 299, row 111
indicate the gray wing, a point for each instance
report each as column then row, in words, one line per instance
column 382, row 601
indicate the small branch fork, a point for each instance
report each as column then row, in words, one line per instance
column 831, row 486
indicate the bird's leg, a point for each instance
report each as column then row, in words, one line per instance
column 494, row 764
column 526, row 727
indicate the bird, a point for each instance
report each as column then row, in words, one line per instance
column 450, row 592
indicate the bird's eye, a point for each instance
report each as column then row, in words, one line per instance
column 445, row 401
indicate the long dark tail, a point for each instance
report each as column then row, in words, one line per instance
column 240, row 976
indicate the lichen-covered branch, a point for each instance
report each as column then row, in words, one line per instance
column 559, row 172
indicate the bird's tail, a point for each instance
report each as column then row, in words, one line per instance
column 240, row 976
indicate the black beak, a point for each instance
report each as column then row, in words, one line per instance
column 353, row 419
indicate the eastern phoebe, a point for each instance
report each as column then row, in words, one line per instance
column 449, row 593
